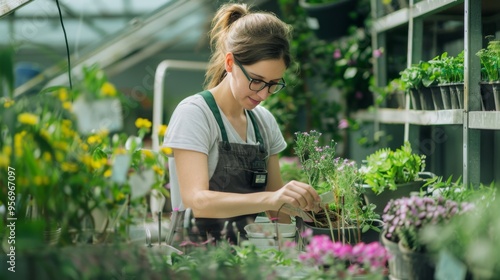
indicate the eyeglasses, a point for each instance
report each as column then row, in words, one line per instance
column 258, row 85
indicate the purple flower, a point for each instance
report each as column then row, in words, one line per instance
column 377, row 53
column 343, row 123
column 337, row 54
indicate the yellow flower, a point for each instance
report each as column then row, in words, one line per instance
column 148, row 153
column 18, row 143
column 4, row 160
column 69, row 167
column 45, row 134
column 60, row 145
column 108, row 173
column 166, row 150
column 158, row 170
column 87, row 160
column 142, row 123
column 40, row 180
column 94, row 139
column 162, row 129
column 47, row 156
column 66, row 123
column 27, row 118
column 67, row 131
column 7, row 150
column 108, row 89
column 120, row 196
column 96, row 164
column 120, row 151
column 62, row 94
column 8, row 103
column 84, row 147
column 67, row 105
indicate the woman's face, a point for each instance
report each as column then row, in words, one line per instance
column 262, row 72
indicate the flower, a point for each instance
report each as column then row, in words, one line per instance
column 345, row 259
column 108, row 89
column 339, row 177
column 64, row 175
column 404, row 218
column 27, row 118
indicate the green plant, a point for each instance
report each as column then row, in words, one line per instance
column 59, row 176
column 471, row 238
column 386, row 168
column 411, row 77
column 337, row 176
column 490, row 61
column 405, row 218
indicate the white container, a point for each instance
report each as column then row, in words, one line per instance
column 265, row 230
column 265, row 235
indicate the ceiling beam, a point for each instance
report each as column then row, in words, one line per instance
column 133, row 38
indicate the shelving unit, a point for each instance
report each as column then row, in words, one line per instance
column 471, row 118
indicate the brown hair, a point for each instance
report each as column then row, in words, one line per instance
column 250, row 36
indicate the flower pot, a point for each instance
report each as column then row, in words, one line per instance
column 331, row 21
column 426, row 98
column 381, row 200
column 350, row 233
column 455, row 104
column 446, row 96
column 396, row 100
column 459, row 87
column 398, row 267
column 437, row 99
column 415, row 99
column 420, row 265
column 490, row 96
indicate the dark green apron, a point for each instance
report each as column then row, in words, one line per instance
column 235, row 173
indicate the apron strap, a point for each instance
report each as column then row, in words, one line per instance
column 209, row 98
column 260, row 140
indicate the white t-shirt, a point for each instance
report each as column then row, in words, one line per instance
column 193, row 127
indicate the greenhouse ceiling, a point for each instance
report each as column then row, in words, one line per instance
column 105, row 31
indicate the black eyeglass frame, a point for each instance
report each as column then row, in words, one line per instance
column 265, row 84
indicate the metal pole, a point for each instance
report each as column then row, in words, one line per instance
column 159, row 83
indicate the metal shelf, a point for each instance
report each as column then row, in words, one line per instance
column 420, row 9
column 415, row 117
column 484, row 120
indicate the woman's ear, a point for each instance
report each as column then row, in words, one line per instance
column 229, row 62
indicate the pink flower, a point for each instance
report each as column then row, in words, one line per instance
column 337, row 54
column 343, row 124
column 377, row 53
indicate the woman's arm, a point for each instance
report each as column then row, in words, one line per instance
column 192, row 174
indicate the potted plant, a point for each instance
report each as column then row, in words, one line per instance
column 404, row 221
column 470, row 240
column 337, row 260
column 61, row 178
column 411, row 79
column 344, row 216
column 388, row 174
column 490, row 73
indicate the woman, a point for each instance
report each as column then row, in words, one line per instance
column 225, row 146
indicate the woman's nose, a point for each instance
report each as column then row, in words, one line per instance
column 263, row 93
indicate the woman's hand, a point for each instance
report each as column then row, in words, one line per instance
column 297, row 194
